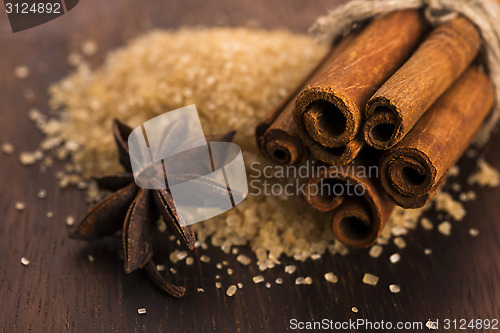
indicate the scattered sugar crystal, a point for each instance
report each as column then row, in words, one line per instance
column 29, row 95
column 290, row 269
column 431, row 325
column 243, row 259
column 229, row 271
column 426, row 223
column 225, row 263
column 205, row 258
column 330, row 277
column 485, row 176
column 445, row 202
column 173, row 270
column 308, row 280
column 382, row 241
column 189, row 261
column 27, row 158
column 141, row 311
column 20, row 205
column 181, row 255
column 219, row 265
column 240, row 285
column 299, row 280
column 394, row 288
column 231, row 290
column 315, row 256
column 445, row 228
column 91, row 258
column 226, row 247
column 454, row 171
column 468, row 196
column 398, row 231
column 427, row 251
column 22, row 72
column 25, row 261
column 218, row 285
column 74, row 59
column 342, row 249
column 396, row 257
column 173, row 257
column 160, row 268
column 456, row 187
column 473, row 232
column 89, row 47
column 217, row 276
column 375, row 251
column 268, row 285
column 162, row 227
column 370, row 279
column 235, row 250
column 354, row 309
column 42, row 193
column 279, row 281
column 7, row 148
column 258, row 279
column 50, row 215
column 200, row 290
column 70, row 221
column 470, row 153
column 399, row 242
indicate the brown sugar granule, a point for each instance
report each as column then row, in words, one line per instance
column 7, row 148
column 485, row 176
column 370, row 279
column 22, row 72
column 231, row 290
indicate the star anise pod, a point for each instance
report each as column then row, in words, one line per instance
column 135, row 210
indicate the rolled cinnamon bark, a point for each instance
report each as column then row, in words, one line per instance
column 330, row 111
column 318, row 195
column 436, row 64
column 338, row 155
column 413, row 170
column 361, row 210
column 277, row 136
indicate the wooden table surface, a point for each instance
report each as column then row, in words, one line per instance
column 61, row 290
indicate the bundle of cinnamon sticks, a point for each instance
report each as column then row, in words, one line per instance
column 415, row 94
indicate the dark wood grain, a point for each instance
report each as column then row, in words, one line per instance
column 62, row 291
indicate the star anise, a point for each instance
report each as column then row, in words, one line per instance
column 135, row 210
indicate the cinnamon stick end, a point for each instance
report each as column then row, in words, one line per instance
column 353, row 225
column 382, row 129
column 282, row 151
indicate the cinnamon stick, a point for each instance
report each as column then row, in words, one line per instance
column 319, row 192
column 338, row 155
column 413, row 170
column 436, row 64
column 277, row 136
column 361, row 212
column 330, row 111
